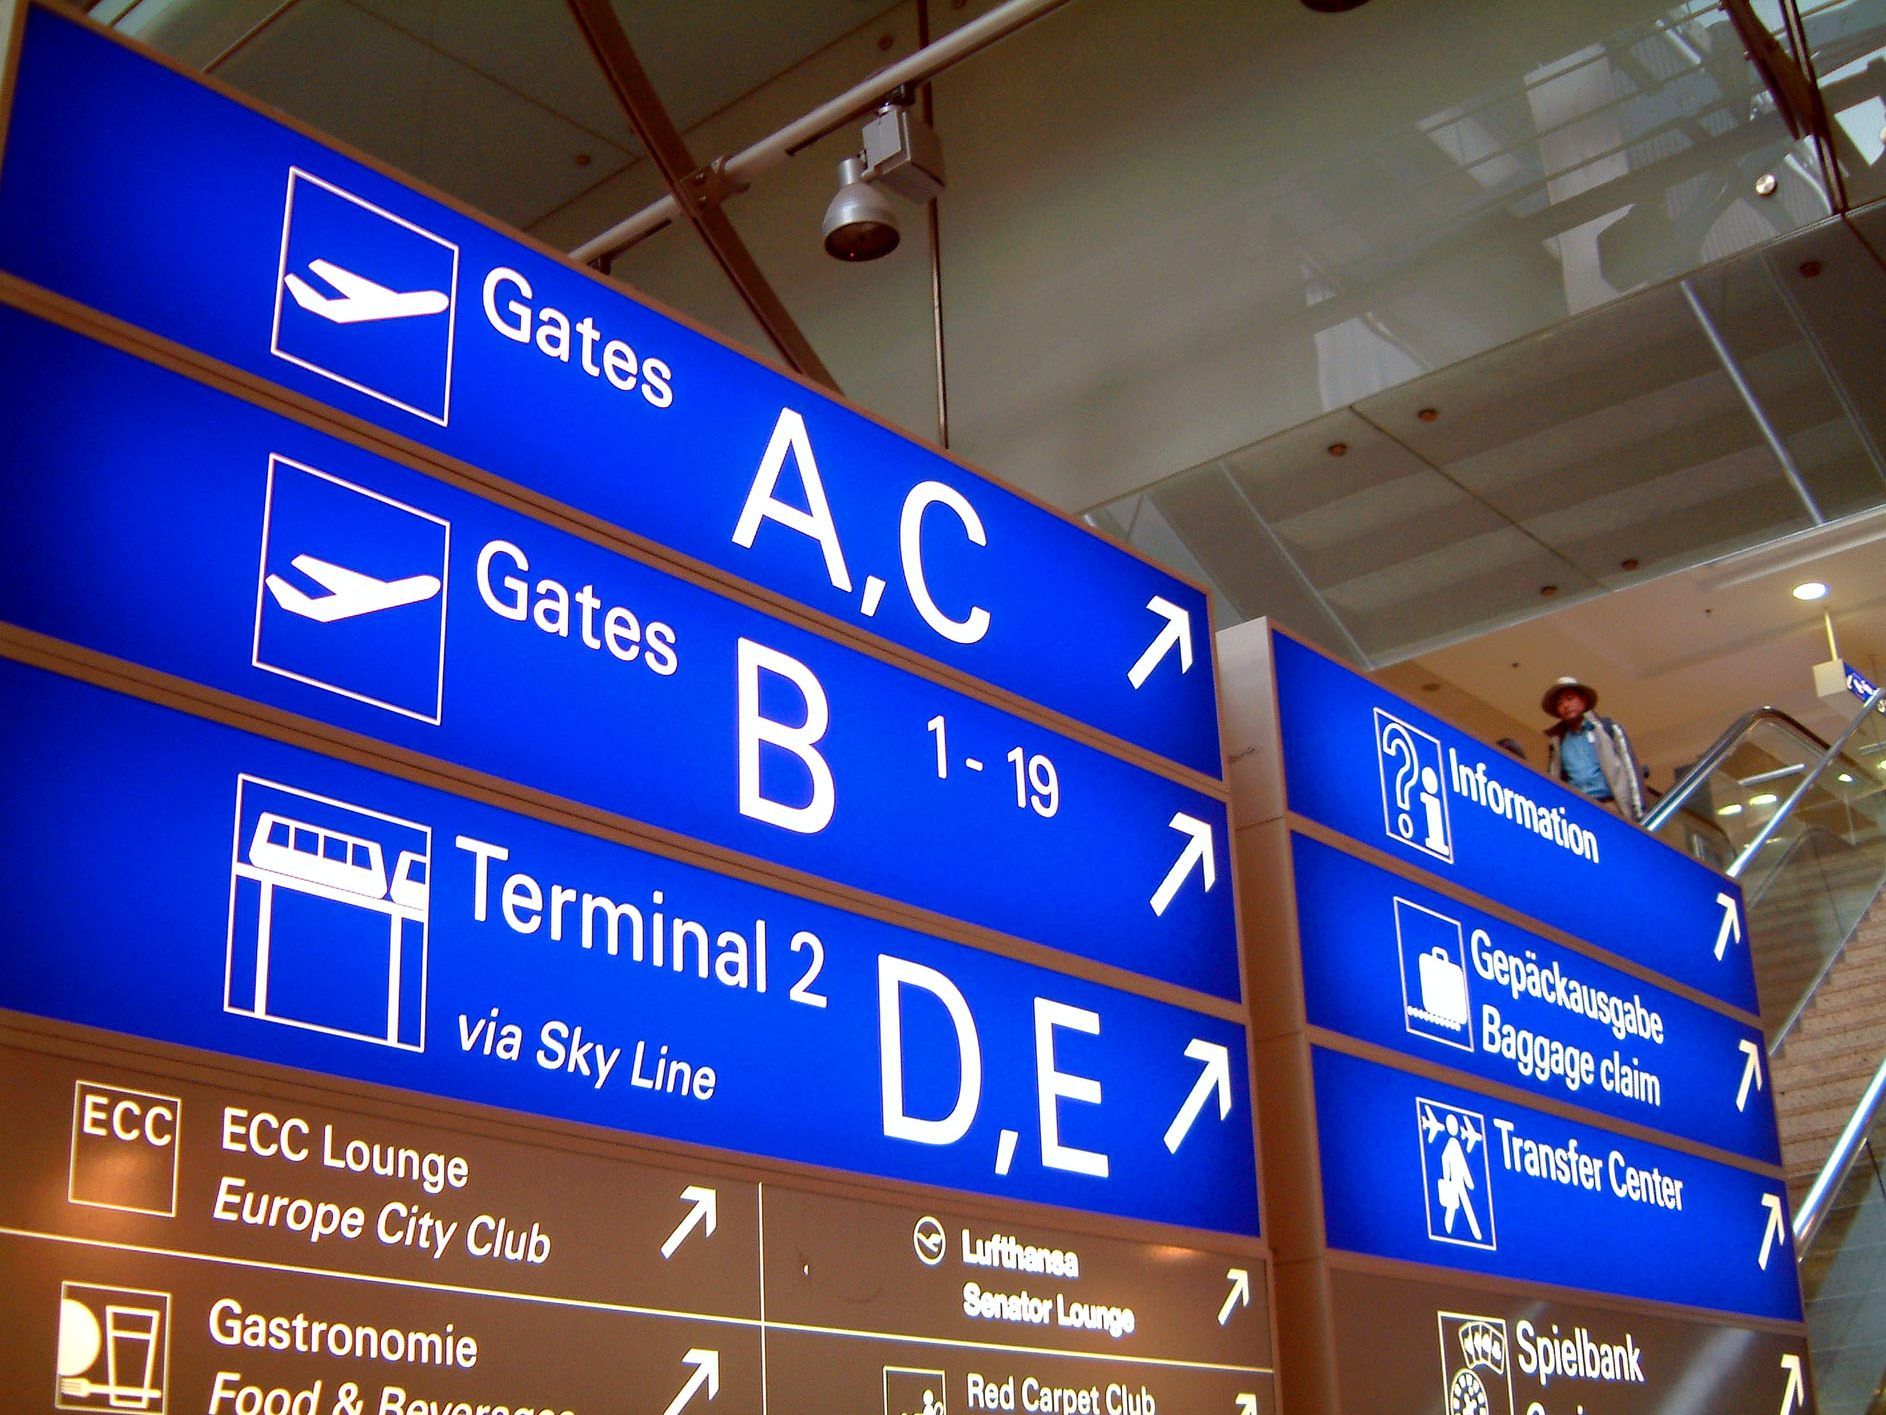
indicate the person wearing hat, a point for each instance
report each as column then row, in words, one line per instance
column 1589, row 753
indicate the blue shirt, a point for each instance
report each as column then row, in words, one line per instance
column 1578, row 757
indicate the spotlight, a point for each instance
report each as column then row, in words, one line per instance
column 900, row 151
column 1810, row 590
column 859, row 224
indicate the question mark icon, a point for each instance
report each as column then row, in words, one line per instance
column 1396, row 742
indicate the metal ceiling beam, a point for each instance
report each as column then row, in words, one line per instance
column 1739, row 380
column 691, row 192
column 736, row 173
column 1796, row 98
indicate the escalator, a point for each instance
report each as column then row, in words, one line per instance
column 1801, row 823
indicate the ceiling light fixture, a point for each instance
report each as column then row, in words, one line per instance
column 1766, row 798
column 1732, row 809
column 901, row 152
column 860, row 224
column 1810, row 590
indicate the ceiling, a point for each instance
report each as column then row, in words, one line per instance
column 1516, row 265
column 1676, row 660
column 1612, row 448
column 500, row 104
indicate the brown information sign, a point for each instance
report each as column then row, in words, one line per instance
column 283, row 1184
column 986, row 1306
column 175, row 1245
column 1421, row 1348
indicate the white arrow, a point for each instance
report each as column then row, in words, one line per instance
column 1240, row 1293
column 1197, row 852
column 705, row 1207
column 706, row 1372
column 1177, row 630
column 1773, row 1229
column 1794, row 1394
column 1247, row 1403
column 1731, row 929
column 1217, row 1073
column 1751, row 1071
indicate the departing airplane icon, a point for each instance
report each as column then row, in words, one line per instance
column 360, row 300
column 349, row 592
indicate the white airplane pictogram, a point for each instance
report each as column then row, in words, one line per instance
column 360, row 300
column 349, row 592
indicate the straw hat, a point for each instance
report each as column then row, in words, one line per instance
column 1549, row 703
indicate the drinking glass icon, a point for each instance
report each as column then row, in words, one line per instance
column 131, row 1345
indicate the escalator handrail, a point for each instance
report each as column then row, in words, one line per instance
column 1846, row 1152
column 1679, row 794
column 1807, row 783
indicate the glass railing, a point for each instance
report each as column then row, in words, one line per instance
column 1840, row 1233
column 1803, row 826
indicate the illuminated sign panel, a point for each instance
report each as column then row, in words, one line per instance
column 638, row 755
column 245, row 551
column 1427, row 1172
column 212, row 889
column 268, row 250
column 1388, row 961
column 1364, row 762
column 1523, row 1027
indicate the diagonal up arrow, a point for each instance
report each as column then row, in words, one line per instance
column 1215, row 1076
column 704, row 1209
column 1751, row 1071
column 706, row 1363
column 1240, row 1295
column 1731, row 929
column 1247, row 1403
column 1794, row 1393
column 1197, row 852
column 1773, row 1229
column 1176, row 633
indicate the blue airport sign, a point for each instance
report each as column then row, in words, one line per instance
column 180, row 880
column 242, row 550
column 1859, row 684
column 1390, row 962
column 1428, row 1173
column 270, row 251
column 1364, row 762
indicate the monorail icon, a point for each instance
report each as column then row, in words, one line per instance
column 328, row 916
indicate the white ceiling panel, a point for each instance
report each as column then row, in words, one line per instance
column 375, row 85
